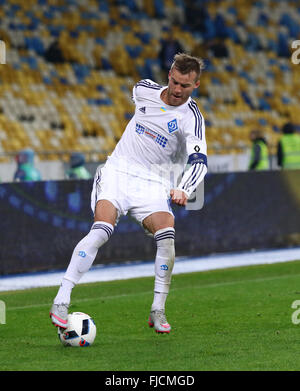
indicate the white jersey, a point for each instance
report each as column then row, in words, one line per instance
column 160, row 140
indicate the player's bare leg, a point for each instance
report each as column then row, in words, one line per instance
column 82, row 259
column 105, row 211
column 161, row 225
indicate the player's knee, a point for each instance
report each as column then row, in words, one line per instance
column 164, row 233
column 100, row 233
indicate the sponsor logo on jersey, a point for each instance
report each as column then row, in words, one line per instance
column 139, row 129
column 172, row 126
column 159, row 139
column 82, row 254
column 143, row 109
column 164, row 267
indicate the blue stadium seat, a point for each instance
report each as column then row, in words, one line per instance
column 133, row 51
column 36, row 44
column 283, row 49
column 264, row 105
column 159, row 8
column 239, row 122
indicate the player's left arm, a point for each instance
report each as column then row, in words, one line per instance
column 194, row 175
column 197, row 162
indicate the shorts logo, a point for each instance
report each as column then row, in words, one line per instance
column 164, row 267
column 82, row 254
column 172, row 126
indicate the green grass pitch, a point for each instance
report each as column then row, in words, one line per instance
column 237, row 319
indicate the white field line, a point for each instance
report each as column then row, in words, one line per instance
column 112, row 297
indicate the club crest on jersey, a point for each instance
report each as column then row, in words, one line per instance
column 172, row 126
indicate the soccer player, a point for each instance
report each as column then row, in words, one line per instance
column 141, row 177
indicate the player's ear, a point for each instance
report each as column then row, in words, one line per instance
column 197, row 84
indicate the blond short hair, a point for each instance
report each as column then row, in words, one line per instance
column 185, row 64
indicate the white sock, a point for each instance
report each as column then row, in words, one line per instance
column 159, row 301
column 82, row 258
column 64, row 292
column 164, row 263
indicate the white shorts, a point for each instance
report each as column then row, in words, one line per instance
column 129, row 194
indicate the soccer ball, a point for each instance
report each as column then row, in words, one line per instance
column 81, row 330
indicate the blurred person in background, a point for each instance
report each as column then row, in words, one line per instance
column 288, row 148
column 26, row 171
column 216, row 47
column 259, row 158
column 196, row 16
column 77, row 168
column 169, row 47
column 54, row 53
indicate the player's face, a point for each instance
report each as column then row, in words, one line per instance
column 180, row 87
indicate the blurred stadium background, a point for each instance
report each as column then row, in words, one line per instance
column 66, row 87
column 71, row 65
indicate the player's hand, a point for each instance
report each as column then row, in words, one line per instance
column 178, row 197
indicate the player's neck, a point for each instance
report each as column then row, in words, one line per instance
column 164, row 96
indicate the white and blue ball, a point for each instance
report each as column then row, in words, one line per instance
column 81, row 330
